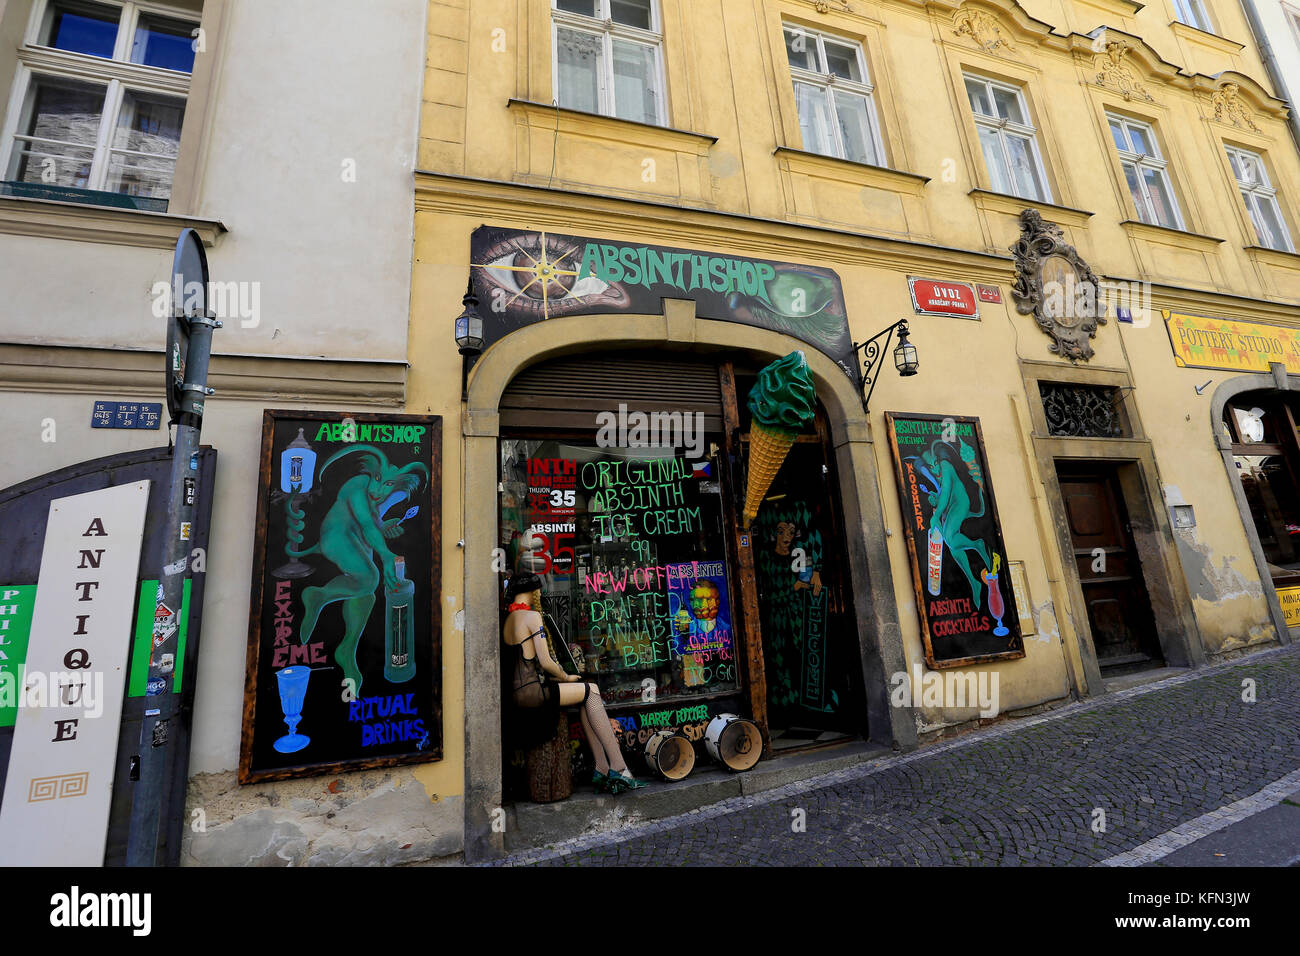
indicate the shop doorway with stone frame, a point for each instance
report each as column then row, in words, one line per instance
column 1110, row 573
column 1266, row 457
column 811, row 656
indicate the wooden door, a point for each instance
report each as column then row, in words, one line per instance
column 1114, row 592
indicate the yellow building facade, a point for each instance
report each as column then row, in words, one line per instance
column 878, row 142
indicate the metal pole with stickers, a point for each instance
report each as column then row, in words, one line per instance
column 189, row 345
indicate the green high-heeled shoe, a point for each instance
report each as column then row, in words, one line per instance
column 619, row 782
column 599, row 782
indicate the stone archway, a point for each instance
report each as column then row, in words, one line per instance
column 678, row 328
column 1277, row 379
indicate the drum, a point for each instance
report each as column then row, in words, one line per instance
column 733, row 741
column 670, row 755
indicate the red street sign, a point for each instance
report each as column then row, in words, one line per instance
column 989, row 293
column 932, row 297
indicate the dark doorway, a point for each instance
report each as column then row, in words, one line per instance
column 811, row 655
column 1110, row 574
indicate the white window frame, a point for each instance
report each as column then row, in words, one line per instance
column 830, row 84
column 117, row 75
column 1002, row 126
column 604, row 27
column 1260, row 193
column 1193, row 13
column 1143, row 161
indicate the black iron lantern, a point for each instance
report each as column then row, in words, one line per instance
column 873, row 358
column 905, row 359
column 469, row 324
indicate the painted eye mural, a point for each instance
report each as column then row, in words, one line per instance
column 526, row 277
column 535, row 276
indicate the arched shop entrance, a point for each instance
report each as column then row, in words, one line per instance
column 1256, row 418
column 511, row 422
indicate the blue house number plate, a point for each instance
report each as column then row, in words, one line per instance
column 126, row 415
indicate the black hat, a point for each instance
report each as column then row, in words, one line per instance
column 523, row 582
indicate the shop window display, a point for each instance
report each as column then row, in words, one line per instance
column 630, row 547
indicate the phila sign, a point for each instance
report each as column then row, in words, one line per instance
column 60, row 779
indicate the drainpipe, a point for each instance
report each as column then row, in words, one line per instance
column 1270, row 65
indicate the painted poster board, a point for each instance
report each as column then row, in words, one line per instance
column 344, row 666
column 522, row 277
column 964, row 596
column 59, row 783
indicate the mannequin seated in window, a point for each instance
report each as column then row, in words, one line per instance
column 540, row 682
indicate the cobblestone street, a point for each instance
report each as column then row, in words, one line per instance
column 1154, row 759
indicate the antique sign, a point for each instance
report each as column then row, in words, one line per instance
column 526, row 277
column 1056, row 287
column 968, row 609
column 61, row 767
column 344, row 668
column 931, row 297
column 1202, row 342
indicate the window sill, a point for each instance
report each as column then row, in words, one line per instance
column 49, row 219
column 1274, row 257
column 1211, row 40
column 1170, row 236
column 862, row 174
column 608, row 127
column 987, row 200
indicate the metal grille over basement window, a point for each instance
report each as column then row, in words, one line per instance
column 1081, row 411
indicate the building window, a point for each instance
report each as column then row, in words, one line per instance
column 1082, row 411
column 1260, row 198
column 1193, row 13
column 1008, row 140
column 608, row 58
column 100, row 99
column 1145, row 171
column 833, row 92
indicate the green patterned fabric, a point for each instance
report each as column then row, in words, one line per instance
column 781, row 607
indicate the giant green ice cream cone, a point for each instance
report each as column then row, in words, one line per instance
column 782, row 404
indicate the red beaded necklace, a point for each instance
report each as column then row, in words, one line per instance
column 519, row 606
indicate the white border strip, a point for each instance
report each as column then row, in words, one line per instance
column 1188, row 833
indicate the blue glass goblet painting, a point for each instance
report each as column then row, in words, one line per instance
column 293, row 689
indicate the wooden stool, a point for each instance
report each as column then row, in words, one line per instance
column 550, row 767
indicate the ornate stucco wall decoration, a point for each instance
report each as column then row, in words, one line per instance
column 1112, row 70
column 826, row 6
column 1229, row 107
column 981, row 28
column 1056, row 286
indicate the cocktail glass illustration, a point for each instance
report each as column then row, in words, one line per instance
column 293, row 689
column 996, row 607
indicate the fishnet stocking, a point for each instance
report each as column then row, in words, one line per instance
column 604, row 746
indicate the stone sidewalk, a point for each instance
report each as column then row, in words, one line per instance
column 1125, row 779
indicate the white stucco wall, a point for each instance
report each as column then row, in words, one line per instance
column 302, row 87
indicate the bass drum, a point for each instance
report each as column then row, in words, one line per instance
column 670, row 755
column 733, row 741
